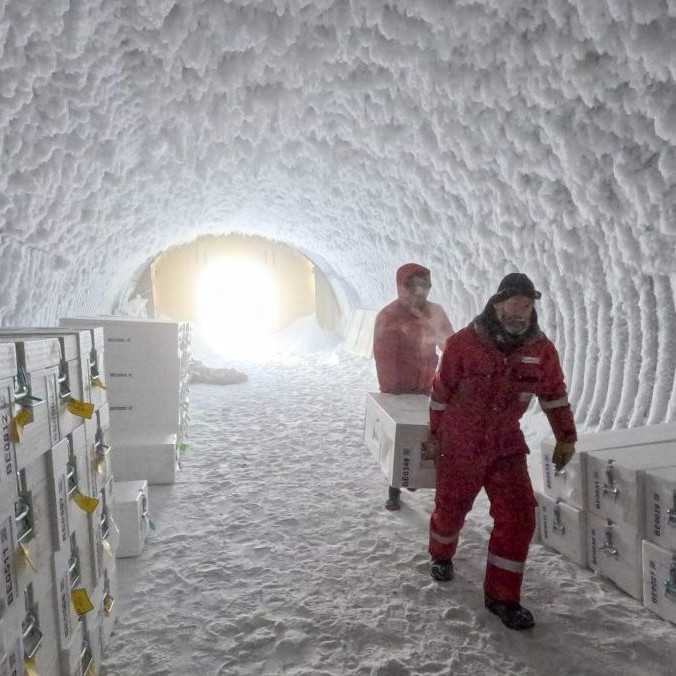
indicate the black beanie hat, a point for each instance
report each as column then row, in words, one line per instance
column 515, row 284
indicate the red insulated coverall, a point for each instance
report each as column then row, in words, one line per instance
column 478, row 396
column 405, row 340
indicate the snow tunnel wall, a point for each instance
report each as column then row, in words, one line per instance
column 475, row 136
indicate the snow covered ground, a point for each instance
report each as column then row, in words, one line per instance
column 273, row 555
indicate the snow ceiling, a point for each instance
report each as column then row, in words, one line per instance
column 476, row 136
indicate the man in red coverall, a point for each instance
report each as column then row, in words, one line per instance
column 407, row 333
column 489, row 372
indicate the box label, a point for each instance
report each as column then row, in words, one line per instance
column 654, row 597
column 53, row 406
column 657, row 515
column 64, row 608
column 8, row 462
column 8, row 571
column 548, row 471
column 597, row 490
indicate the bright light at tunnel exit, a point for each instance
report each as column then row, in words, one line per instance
column 237, row 307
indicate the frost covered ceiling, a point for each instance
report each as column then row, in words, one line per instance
column 477, row 136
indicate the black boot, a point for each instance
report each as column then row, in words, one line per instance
column 442, row 571
column 393, row 503
column 512, row 614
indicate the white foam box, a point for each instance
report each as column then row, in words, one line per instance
column 616, row 480
column 76, row 657
column 659, row 580
column 96, row 354
column 151, row 458
column 563, row 528
column 11, row 647
column 70, row 370
column 660, row 507
column 131, row 515
column 105, row 610
column 39, row 359
column 615, row 552
column 569, row 485
column 66, row 516
column 99, row 445
column 67, row 618
column 46, row 657
column 39, row 544
column 8, row 590
column 395, row 426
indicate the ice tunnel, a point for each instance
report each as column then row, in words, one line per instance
column 476, row 137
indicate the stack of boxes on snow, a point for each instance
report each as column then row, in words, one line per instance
column 57, row 532
column 613, row 509
column 147, row 362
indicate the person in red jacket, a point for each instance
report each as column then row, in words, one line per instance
column 406, row 335
column 489, row 372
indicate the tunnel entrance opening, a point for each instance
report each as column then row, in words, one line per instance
column 237, row 307
column 246, row 296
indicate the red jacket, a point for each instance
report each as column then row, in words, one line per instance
column 479, row 393
column 405, row 340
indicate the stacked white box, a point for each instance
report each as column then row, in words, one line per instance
column 614, row 550
column 563, row 528
column 147, row 375
column 660, row 512
column 570, row 484
column 75, row 368
column 47, row 541
column 36, row 393
column 99, row 449
column 659, row 580
column 152, row 459
column 395, row 427
column 132, row 514
column 142, row 373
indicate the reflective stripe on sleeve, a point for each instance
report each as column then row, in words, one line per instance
column 506, row 564
column 530, row 360
column 554, row 403
column 443, row 539
column 436, row 406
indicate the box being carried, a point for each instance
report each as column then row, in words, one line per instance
column 395, row 427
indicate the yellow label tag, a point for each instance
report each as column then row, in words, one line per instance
column 81, row 601
column 85, row 502
column 82, row 409
column 26, row 556
column 19, row 421
column 29, row 668
column 107, row 548
column 97, row 382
